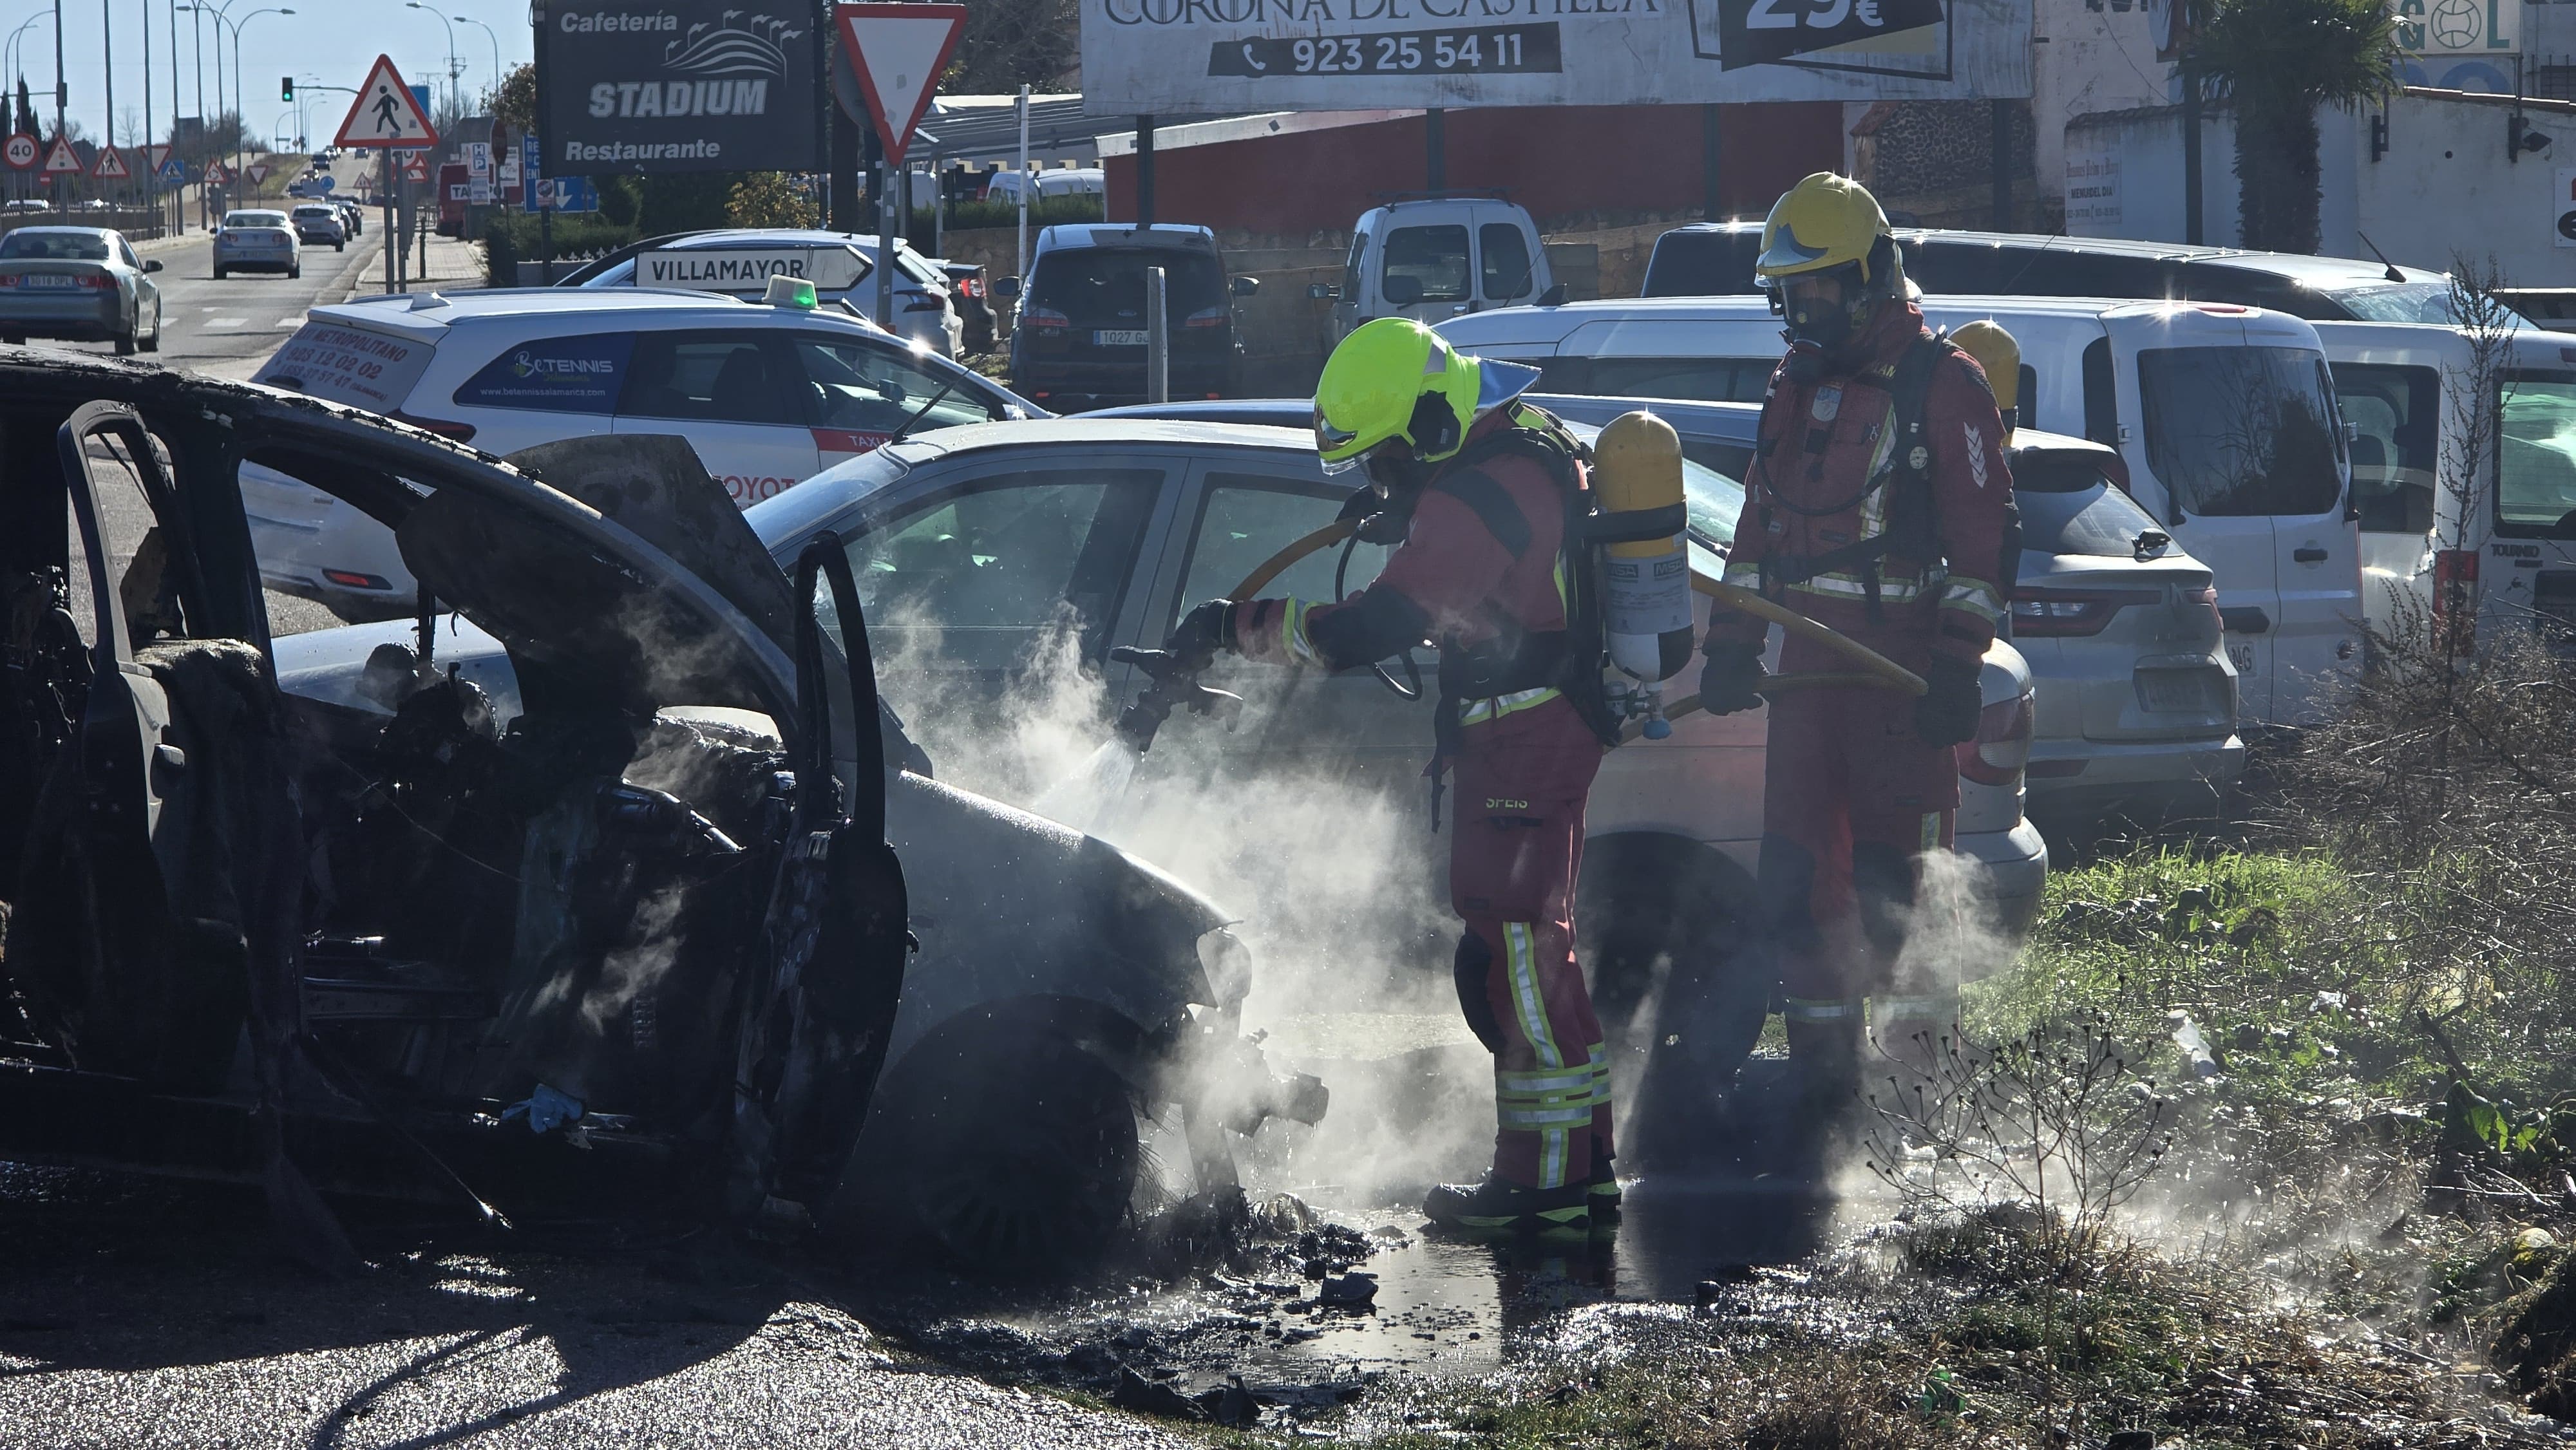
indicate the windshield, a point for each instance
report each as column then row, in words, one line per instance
column 2398, row 302
column 2076, row 510
column 54, row 246
column 1714, row 501
column 2536, row 457
column 1107, row 285
column 2241, row 431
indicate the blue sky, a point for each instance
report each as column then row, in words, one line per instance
column 333, row 41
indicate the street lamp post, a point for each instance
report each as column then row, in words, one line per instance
column 496, row 49
column 451, row 50
column 12, row 53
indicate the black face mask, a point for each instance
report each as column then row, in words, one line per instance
column 1817, row 324
column 1398, row 475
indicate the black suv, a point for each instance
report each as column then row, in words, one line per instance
column 1715, row 259
column 1079, row 339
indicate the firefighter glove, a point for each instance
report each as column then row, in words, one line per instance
column 1947, row 712
column 1732, row 678
column 1202, row 632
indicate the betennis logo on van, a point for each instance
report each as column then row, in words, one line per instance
column 748, row 269
column 557, row 375
column 676, row 85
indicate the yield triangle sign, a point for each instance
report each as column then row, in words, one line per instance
column 257, row 171
column 386, row 113
column 899, row 52
column 62, row 158
column 111, row 165
column 156, row 157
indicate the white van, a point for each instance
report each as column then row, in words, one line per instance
column 2225, row 417
column 770, row 395
column 2402, row 390
column 1434, row 260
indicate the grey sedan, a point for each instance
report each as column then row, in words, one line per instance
column 81, row 284
column 257, row 241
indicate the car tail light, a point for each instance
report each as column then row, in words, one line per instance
column 351, row 579
column 461, row 432
column 2042, row 613
column 2002, row 746
column 1205, row 317
column 98, row 281
column 2455, row 596
column 1044, row 317
column 970, row 286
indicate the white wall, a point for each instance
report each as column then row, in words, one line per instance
column 2124, row 177
column 2446, row 186
column 2086, row 61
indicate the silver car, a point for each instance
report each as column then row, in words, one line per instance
column 2137, row 699
column 82, row 284
column 257, row 241
column 318, row 223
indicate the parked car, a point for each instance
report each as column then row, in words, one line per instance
column 318, row 222
column 769, row 394
column 1431, row 260
column 977, row 544
column 25, row 204
column 82, row 284
column 1078, row 337
column 2503, row 548
column 1006, row 185
column 2224, row 417
column 257, row 241
column 739, row 261
column 971, row 294
column 276, row 899
column 1708, row 259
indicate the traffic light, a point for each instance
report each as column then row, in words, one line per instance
column 286, row 89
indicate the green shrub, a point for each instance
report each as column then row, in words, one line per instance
column 515, row 237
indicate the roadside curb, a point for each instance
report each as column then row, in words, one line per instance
column 371, row 248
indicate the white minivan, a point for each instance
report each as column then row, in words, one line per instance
column 2509, row 542
column 770, row 394
column 1437, row 259
column 2224, row 415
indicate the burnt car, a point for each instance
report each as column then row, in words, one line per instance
column 648, row 940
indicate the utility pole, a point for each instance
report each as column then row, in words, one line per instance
column 107, row 51
column 62, row 93
column 151, row 173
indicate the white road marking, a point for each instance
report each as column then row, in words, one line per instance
column 214, row 322
column 289, row 324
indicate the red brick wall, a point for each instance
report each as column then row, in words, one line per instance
column 1560, row 162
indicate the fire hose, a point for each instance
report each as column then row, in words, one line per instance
column 1170, row 687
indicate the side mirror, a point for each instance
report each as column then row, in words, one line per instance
column 1007, row 288
column 1246, row 286
column 1323, row 292
column 1402, row 291
column 1553, row 296
column 152, row 264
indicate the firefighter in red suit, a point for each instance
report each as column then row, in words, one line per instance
column 1878, row 504
column 1477, row 487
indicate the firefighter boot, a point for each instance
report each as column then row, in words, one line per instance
column 1496, row 1207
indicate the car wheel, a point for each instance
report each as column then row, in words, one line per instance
column 153, row 343
column 1015, row 1148
column 126, row 343
column 219, row 274
column 295, row 271
column 339, row 246
column 13, row 339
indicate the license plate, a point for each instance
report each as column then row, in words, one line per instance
column 47, row 279
column 1119, row 337
column 2176, row 690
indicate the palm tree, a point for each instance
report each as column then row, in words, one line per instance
column 2277, row 61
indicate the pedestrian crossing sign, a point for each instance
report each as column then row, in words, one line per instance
column 386, row 113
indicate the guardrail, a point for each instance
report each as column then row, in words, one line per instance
column 140, row 224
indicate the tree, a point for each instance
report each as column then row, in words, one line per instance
column 769, row 199
column 1011, row 43
column 25, row 120
column 514, row 103
column 2277, row 62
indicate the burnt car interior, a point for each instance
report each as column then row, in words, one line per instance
column 229, row 898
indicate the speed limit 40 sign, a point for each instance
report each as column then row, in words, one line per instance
column 20, row 151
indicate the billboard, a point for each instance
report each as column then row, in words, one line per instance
column 1223, row 56
column 675, row 85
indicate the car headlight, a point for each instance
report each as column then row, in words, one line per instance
column 1228, row 964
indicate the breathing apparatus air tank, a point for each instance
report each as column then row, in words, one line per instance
column 1996, row 352
column 1645, row 571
